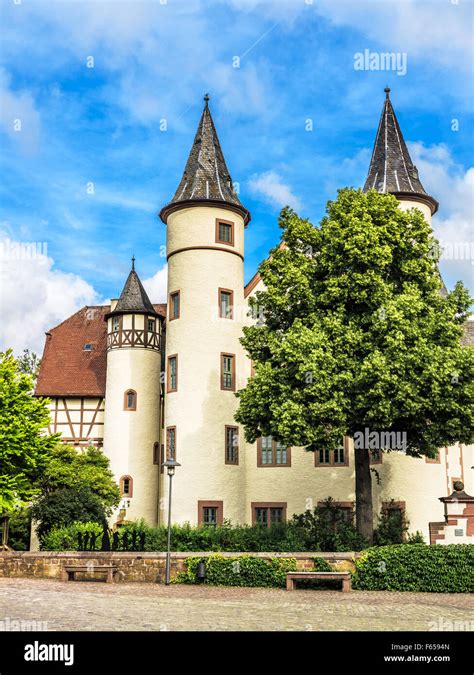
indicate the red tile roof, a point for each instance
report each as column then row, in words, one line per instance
column 66, row 369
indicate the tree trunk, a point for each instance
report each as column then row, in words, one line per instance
column 5, row 532
column 363, row 489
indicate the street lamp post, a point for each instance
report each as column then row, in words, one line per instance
column 170, row 465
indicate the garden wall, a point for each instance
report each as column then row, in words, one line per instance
column 148, row 567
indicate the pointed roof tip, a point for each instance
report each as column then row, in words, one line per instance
column 206, row 178
column 391, row 168
column 133, row 298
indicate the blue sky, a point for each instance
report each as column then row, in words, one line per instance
column 90, row 167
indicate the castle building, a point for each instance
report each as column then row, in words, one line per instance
column 148, row 381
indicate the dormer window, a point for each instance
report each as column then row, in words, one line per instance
column 87, row 347
column 115, row 323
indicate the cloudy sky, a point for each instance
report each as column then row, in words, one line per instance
column 100, row 102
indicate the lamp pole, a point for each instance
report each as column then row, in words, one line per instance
column 170, row 465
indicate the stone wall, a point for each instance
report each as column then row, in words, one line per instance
column 145, row 567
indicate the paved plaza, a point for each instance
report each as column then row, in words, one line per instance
column 125, row 606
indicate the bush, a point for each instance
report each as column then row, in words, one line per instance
column 67, row 538
column 392, row 527
column 416, row 567
column 327, row 528
column 19, row 530
column 66, row 506
column 242, row 571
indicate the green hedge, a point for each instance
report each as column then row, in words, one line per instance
column 416, row 567
column 66, row 538
column 242, row 571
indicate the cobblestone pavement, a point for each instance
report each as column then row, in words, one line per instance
column 126, row 606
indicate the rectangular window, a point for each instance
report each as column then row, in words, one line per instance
column 224, row 232
column 209, row 516
column 174, row 308
column 151, row 325
column 335, row 512
column 268, row 514
column 171, row 443
column 271, row 452
column 226, row 302
column 333, row 457
column 339, row 455
column 115, row 323
column 228, row 372
column 210, row 513
column 267, row 450
column 324, row 457
column 172, row 384
column 231, row 445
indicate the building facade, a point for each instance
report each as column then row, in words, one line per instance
column 149, row 381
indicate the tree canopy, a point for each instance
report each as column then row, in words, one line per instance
column 357, row 334
column 24, row 446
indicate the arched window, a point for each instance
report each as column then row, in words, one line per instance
column 156, row 453
column 130, row 400
column 126, row 486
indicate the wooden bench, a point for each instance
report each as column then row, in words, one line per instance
column 69, row 571
column 345, row 577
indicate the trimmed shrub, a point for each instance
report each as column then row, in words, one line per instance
column 416, row 567
column 67, row 538
column 242, row 571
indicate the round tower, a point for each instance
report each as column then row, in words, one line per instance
column 411, row 482
column 204, row 358
column 132, row 400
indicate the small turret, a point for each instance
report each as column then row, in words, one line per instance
column 133, row 389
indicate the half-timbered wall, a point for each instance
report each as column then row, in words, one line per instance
column 133, row 331
column 80, row 421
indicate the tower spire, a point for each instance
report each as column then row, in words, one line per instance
column 133, row 298
column 391, row 167
column 206, row 178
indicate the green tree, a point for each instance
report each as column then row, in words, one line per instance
column 24, row 447
column 74, row 487
column 29, row 363
column 357, row 335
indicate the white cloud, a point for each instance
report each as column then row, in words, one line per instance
column 270, row 186
column 437, row 31
column 156, row 286
column 34, row 296
column 18, row 115
column 453, row 187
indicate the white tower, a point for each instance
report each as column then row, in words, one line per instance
column 206, row 311
column 132, row 400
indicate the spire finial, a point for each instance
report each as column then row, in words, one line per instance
column 133, row 263
column 206, row 99
column 387, row 91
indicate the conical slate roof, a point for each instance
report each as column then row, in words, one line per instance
column 206, row 178
column 134, row 298
column 391, row 167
